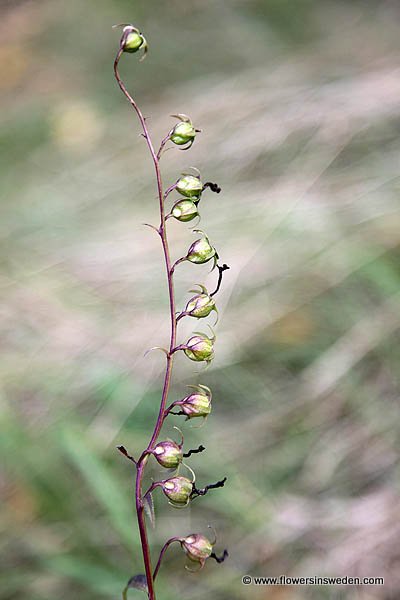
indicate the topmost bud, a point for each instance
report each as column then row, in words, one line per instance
column 132, row 40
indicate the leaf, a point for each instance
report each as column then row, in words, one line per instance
column 137, row 582
column 149, row 508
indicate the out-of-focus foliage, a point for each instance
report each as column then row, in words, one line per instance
column 299, row 107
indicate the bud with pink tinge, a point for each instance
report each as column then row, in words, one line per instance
column 197, row 404
column 200, row 305
column 197, row 547
column 200, row 348
column 168, row 454
column 178, row 491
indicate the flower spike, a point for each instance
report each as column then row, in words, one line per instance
column 178, row 489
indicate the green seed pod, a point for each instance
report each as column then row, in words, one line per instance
column 201, row 250
column 189, row 186
column 197, row 404
column 168, row 454
column 178, row 490
column 197, row 547
column 201, row 305
column 184, row 210
column 200, row 348
column 183, row 132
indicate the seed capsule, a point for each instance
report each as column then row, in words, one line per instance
column 197, row 547
column 168, row 454
column 178, row 490
column 183, row 132
column 201, row 305
column 201, row 251
column 197, row 404
column 200, row 348
column 190, row 186
column 184, row 210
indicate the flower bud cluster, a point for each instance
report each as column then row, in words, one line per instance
column 178, row 489
column 191, row 187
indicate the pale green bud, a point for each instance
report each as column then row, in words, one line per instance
column 201, row 305
column 197, row 404
column 184, row 210
column 183, row 132
column 200, row 348
column 178, row 490
column 189, row 186
column 132, row 40
column 201, row 251
column 197, row 547
column 168, row 454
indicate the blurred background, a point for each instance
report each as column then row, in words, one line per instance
column 298, row 103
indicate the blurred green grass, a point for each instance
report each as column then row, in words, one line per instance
column 299, row 112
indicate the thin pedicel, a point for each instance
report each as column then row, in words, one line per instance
column 179, row 490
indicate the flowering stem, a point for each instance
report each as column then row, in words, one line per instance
column 141, row 462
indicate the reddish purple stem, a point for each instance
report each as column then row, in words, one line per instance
column 141, row 463
column 163, row 550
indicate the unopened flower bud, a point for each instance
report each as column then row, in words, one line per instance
column 183, row 132
column 197, row 547
column 197, row 404
column 189, row 186
column 132, row 40
column 168, row 454
column 184, row 210
column 201, row 305
column 201, row 251
column 200, row 348
column 178, row 490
